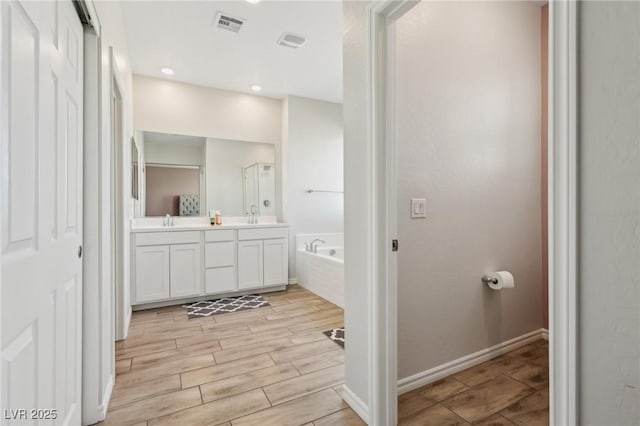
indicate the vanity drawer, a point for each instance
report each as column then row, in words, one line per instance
column 219, row 280
column 166, row 238
column 220, row 254
column 220, row 235
column 262, row 233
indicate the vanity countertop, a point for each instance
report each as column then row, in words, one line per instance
column 201, row 227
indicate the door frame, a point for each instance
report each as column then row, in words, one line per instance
column 118, row 196
column 562, row 211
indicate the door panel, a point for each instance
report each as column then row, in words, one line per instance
column 276, row 262
column 250, row 266
column 41, row 189
column 186, row 270
column 152, row 273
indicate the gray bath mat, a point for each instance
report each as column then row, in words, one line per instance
column 225, row 305
column 337, row 335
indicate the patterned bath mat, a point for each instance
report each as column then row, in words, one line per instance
column 337, row 335
column 225, row 305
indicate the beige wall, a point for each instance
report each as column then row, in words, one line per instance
column 468, row 135
column 609, row 213
column 164, row 187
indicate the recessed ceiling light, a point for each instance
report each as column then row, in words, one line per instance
column 256, row 87
column 167, row 71
column 254, row 1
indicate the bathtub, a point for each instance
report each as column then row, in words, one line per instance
column 322, row 273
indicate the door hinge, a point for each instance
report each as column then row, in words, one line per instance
column 394, row 245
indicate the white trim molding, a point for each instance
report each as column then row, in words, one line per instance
column 563, row 190
column 381, row 218
column 441, row 371
column 545, row 334
column 355, row 403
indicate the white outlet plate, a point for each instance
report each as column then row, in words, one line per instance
column 418, row 208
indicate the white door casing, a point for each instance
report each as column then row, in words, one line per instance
column 41, row 190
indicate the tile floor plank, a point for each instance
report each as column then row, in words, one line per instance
column 304, row 385
column 222, row 371
column 216, row 412
column 296, row 412
column 487, row 399
column 153, row 407
column 246, row 382
column 346, row 417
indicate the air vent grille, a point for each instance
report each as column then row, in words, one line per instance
column 291, row 40
column 229, row 23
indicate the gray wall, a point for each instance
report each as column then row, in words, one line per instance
column 609, row 213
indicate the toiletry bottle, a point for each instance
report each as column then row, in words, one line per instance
column 218, row 218
column 212, row 219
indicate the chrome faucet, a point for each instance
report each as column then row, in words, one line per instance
column 313, row 248
column 253, row 218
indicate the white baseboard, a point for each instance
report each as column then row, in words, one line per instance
column 104, row 406
column 293, row 281
column 545, row 334
column 355, row 403
column 434, row 374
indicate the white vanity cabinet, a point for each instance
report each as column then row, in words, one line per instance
column 180, row 265
column 263, row 257
column 167, row 265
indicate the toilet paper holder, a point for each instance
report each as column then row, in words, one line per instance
column 487, row 279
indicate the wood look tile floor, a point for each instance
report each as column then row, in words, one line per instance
column 266, row 366
column 273, row 366
column 512, row 389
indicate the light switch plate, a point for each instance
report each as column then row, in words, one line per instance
column 418, row 208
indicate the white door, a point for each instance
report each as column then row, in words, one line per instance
column 250, row 266
column 186, row 270
column 41, row 190
column 152, row 273
column 276, row 262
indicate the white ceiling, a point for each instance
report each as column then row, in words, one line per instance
column 181, row 35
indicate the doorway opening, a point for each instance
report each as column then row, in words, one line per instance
column 562, row 190
column 471, row 204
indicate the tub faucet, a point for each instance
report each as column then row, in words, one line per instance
column 313, row 248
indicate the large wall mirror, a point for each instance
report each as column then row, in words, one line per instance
column 193, row 176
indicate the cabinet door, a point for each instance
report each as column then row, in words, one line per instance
column 219, row 280
column 152, row 273
column 276, row 262
column 186, row 270
column 250, row 266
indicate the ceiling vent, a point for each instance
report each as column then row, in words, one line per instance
column 227, row 22
column 291, row 40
